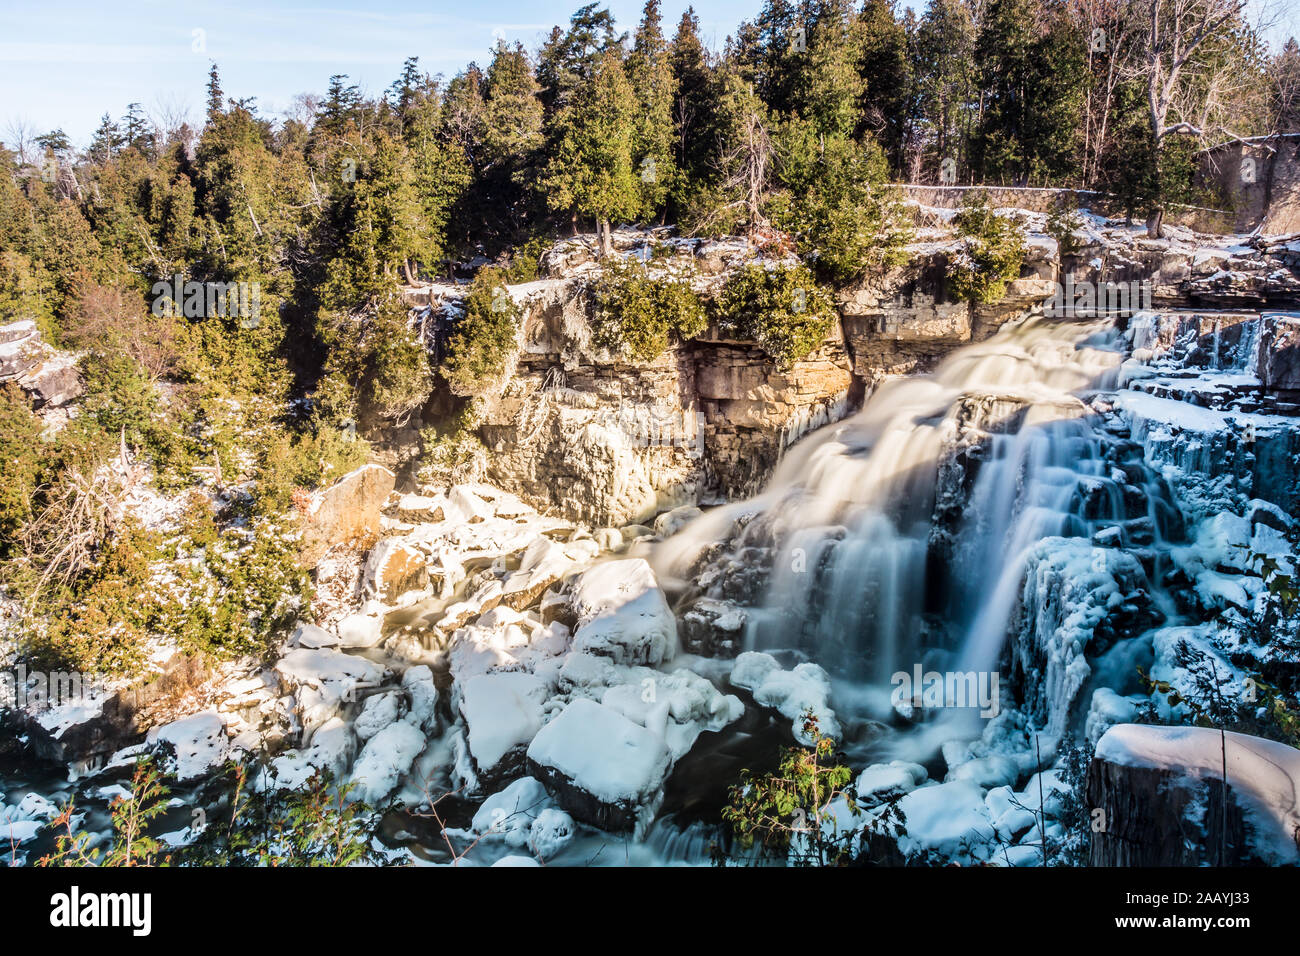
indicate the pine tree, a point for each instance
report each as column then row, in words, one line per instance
column 654, row 87
column 591, row 172
column 216, row 99
column 943, row 67
column 569, row 59
column 884, row 69
column 693, row 104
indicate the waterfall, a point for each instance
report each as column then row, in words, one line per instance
column 900, row 535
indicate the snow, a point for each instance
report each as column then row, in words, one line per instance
column 331, row 749
column 312, row 637
column 949, row 818
column 1264, row 775
column 603, row 753
column 1108, row 709
column 677, row 707
column 200, row 743
column 378, row 712
column 882, row 782
column 622, row 613
column 550, row 833
column 385, row 758
column 502, row 711
column 509, row 814
column 792, row 693
column 360, row 630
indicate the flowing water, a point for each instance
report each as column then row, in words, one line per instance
column 898, row 536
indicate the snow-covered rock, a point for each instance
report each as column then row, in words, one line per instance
column 384, row 760
column 793, row 693
column 550, row 833
column 331, row 750
column 605, row 769
column 1155, row 785
column 200, row 742
column 622, row 613
column 502, row 713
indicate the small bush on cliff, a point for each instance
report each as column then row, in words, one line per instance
column 783, row 309
column 232, row 591
column 993, row 248
column 484, row 338
column 638, row 316
column 451, row 459
column 1061, row 224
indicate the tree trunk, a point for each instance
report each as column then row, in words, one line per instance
column 1155, row 223
column 605, row 241
column 406, row 268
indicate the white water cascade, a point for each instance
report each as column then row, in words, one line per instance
column 899, row 536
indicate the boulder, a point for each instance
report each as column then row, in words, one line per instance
column 384, row 760
column 1279, row 350
column 604, row 769
column 502, row 713
column 393, row 567
column 348, row 510
column 621, row 613
column 1161, row 793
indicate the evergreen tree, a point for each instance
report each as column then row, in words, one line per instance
column 650, row 72
column 215, row 98
column 884, row 70
column 693, row 104
column 591, row 172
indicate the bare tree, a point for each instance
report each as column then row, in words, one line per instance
column 20, row 134
column 1186, row 94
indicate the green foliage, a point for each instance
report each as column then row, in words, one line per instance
column 319, row 825
column 638, row 315
column 293, row 463
column 132, row 814
column 451, row 458
column 993, row 249
column 97, row 622
column 232, row 591
column 592, row 171
column 839, row 204
column 1062, row 222
column 786, row 813
column 483, row 339
column 783, row 309
column 21, row 465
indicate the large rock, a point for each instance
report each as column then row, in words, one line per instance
column 49, row 377
column 393, row 567
column 1279, row 350
column 604, row 769
column 1161, row 796
column 622, row 614
column 346, row 511
column 502, row 712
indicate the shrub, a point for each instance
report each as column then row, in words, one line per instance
column 20, row 464
column 97, row 623
column 783, row 309
column 637, row 315
column 305, row 461
column 1061, row 224
column 484, row 337
column 234, row 591
column 451, row 459
column 993, row 248
column 396, row 379
column 525, row 261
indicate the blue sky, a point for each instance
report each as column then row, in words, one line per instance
column 64, row 64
